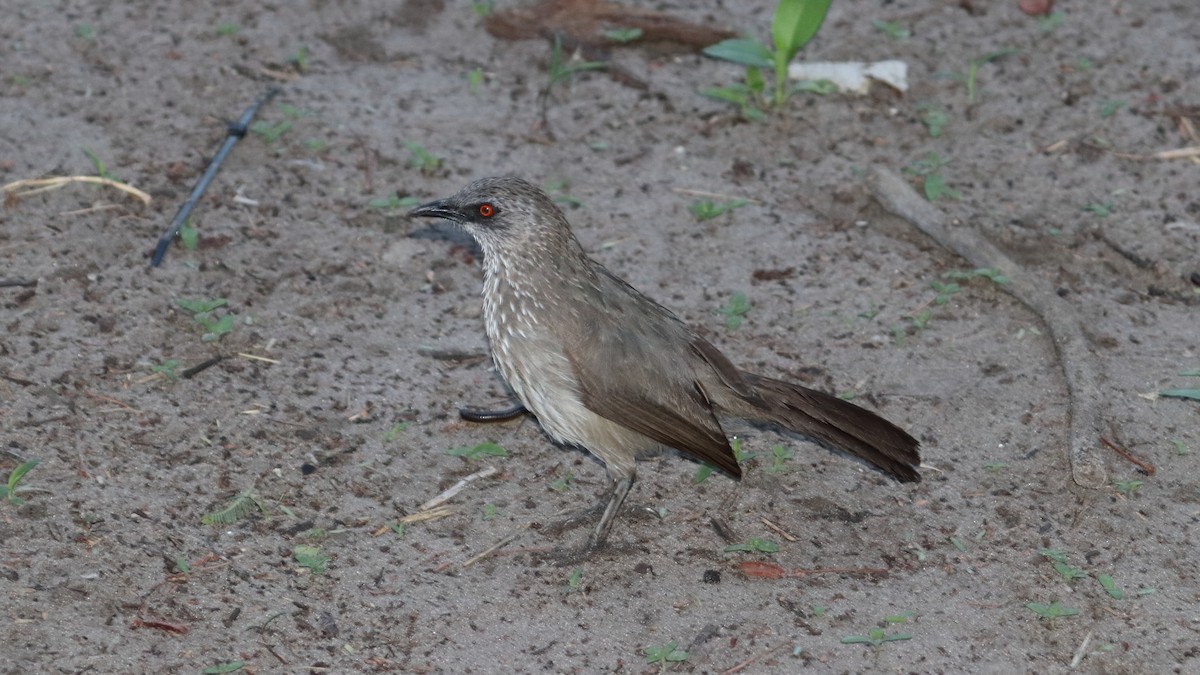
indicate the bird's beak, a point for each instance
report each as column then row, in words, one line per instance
column 442, row 208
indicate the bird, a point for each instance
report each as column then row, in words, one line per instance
column 605, row 368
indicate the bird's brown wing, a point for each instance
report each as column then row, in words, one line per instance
column 636, row 366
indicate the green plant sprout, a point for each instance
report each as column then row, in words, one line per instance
column 668, row 653
column 702, row 473
column 780, row 456
column 623, row 35
column 485, row 449
column 707, row 209
column 189, row 236
column 202, row 313
column 393, row 203
column 239, row 507
column 422, row 160
column 561, row 69
column 892, row 29
column 562, row 484
column 876, row 637
column 1051, row 611
column 754, row 545
column 311, row 558
column 794, row 23
column 930, row 170
column 734, row 310
column 269, row 133
column 977, row 63
column 167, row 369
column 9, row 490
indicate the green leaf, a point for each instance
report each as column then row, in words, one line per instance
column 483, row 449
column 623, row 34
column 1193, row 394
column 311, row 558
column 219, row 669
column 702, row 474
column 795, row 23
column 1110, row 587
column 745, row 51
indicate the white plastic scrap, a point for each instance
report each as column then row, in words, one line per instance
column 853, row 76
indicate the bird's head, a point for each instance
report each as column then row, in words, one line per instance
column 502, row 214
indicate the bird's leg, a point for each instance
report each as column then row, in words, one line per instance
column 482, row 416
column 620, row 491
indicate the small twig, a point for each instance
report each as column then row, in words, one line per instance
column 432, row 514
column 255, row 357
column 779, row 530
column 109, row 399
column 37, row 185
column 491, row 549
column 1082, row 651
column 1177, row 153
column 1061, row 318
column 90, row 209
column 200, row 367
column 1146, row 467
column 448, row 494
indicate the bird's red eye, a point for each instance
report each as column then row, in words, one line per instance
column 487, row 210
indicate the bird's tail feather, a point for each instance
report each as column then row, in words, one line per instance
column 839, row 423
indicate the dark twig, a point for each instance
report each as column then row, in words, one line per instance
column 236, row 131
column 1146, row 467
column 18, row 282
column 201, row 367
column 1061, row 318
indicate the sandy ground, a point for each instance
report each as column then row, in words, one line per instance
column 109, row 567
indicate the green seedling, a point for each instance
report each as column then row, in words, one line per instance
column 958, row 544
column 934, row 120
column 221, row 668
column 422, row 160
column 1110, row 108
column 707, row 209
column 1069, row 573
column 485, row 449
column 995, row 467
column 1053, row 20
column 562, row 68
column 623, row 35
column 182, row 566
column 1053, row 554
column 399, row 529
column 977, row 63
column 876, row 637
column 394, row 433
column 1110, row 587
column 920, row 320
column 562, row 484
column 9, row 490
column 1127, row 487
column 97, row 164
column 1051, row 611
column 1180, row 448
column 189, row 236
column 740, row 456
column 1100, row 210
column 489, row 512
column 474, row 78
column 202, row 313
column 794, row 23
column 930, row 170
column 666, row 654
column 780, row 456
column 1193, row 394
column 944, row 291
column 240, row 507
column 734, row 310
column 269, row 133
column 557, row 188
column 483, row 8
column 754, row 545
column 316, row 144
column 818, row 611
column 892, row 29
column 702, row 473
column 311, row 558
column 85, row 32
column 167, row 369
column 299, row 59
column 228, row 29
column 394, row 204
column 574, row 580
